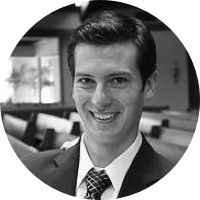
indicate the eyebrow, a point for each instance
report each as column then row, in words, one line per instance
column 121, row 73
column 114, row 74
column 81, row 74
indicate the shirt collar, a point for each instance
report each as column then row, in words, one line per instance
column 85, row 163
column 119, row 166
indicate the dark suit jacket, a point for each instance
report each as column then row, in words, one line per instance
column 58, row 169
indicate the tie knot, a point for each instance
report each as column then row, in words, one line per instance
column 97, row 182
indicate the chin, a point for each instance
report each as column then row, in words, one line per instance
column 105, row 135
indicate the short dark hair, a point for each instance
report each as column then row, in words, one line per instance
column 109, row 27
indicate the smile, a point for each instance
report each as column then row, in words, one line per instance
column 108, row 117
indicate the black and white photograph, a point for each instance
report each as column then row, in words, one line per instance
column 100, row 100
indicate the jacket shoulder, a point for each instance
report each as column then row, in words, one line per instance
column 158, row 161
column 55, row 168
column 164, row 166
column 41, row 160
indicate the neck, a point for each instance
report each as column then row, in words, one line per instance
column 102, row 154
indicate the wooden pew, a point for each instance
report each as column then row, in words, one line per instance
column 29, row 134
column 192, row 116
column 147, row 123
column 53, row 140
column 182, row 124
column 47, row 140
column 170, row 151
column 60, row 139
column 51, row 136
column 59, row 124
column 20, row 148
column 21, row 129
column 14, row 125
column 173, row 122
column 172, row 136
column 46, row 122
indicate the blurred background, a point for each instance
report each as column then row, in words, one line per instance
column 36, row 105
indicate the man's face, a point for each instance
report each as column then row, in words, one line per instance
column 108, row 92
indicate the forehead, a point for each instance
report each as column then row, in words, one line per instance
column 106, row 58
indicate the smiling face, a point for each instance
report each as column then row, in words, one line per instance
column 108, row 92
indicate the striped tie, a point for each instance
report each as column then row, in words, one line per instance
column 97, row 182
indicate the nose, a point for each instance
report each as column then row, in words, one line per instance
column 101, row 98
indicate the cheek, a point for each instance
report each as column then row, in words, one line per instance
column 80, row 97
column 132, row 102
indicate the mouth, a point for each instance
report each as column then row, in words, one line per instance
column 104, row 117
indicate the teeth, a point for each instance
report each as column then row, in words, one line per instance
column 103, row 117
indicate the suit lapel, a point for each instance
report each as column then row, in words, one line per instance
column 65, row 175
column 142, row 172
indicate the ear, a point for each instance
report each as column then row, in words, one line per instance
column 150, row 87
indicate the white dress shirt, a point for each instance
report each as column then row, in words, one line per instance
column 115, row 170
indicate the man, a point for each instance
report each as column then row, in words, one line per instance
column 112, row 59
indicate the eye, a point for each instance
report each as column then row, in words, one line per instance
column 86, row 82
column 119, row 81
